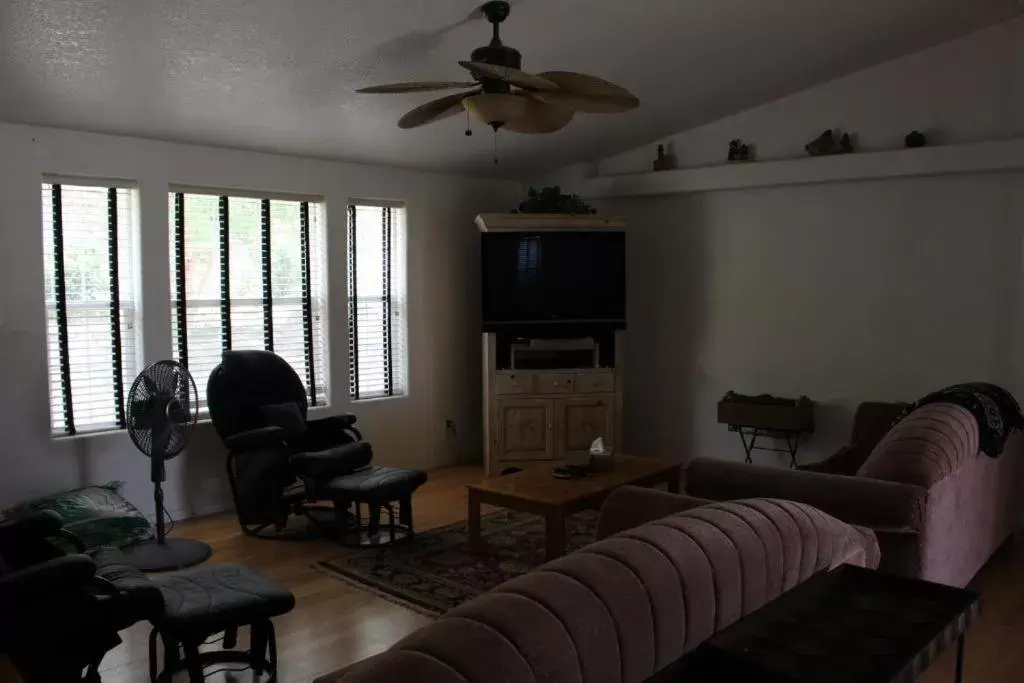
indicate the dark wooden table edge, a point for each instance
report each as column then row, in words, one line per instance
column 554, row 513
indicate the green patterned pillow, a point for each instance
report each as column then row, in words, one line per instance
column 98, row 515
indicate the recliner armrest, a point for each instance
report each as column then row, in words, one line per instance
column 255, row 438
column 58, row 575
column 322, row 466
column 325, row 430
column 33, row 525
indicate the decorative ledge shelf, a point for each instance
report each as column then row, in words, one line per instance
column 1004, row 155
column 517, row 222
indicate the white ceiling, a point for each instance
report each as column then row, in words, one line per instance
column 279, row 75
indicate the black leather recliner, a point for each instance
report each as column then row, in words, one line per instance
column 61, row 613
column 279, row 463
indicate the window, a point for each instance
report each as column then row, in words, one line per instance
column 376, row 300
column 247, row 273
column 90, row 304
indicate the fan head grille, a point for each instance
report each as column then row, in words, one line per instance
column 162, row 404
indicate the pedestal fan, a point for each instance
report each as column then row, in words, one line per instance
column 162, row 405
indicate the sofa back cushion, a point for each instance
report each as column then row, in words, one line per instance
column 622, row 608
column 927, row 446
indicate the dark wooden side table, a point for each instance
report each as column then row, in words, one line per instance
column 850, row 625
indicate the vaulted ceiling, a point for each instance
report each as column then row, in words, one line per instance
column 279, row 75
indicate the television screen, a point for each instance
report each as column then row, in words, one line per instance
column 553, row 277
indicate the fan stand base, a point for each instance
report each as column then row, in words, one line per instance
column 173, row 553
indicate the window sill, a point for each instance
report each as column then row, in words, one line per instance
column 378, row 399
column 319, row 411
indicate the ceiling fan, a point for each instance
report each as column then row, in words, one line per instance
column 503, row 96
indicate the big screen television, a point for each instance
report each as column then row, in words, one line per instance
column 553, row 277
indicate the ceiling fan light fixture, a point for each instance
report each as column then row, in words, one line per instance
column 495, row 109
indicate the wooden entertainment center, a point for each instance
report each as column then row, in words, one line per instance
column 547, row 399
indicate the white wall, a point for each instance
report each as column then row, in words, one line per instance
column 443, row 281
column 967, row 90
column 845, row 292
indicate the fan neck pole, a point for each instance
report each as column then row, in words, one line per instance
column 158, row 500
column 496, row 35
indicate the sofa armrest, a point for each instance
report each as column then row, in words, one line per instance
column 255, row 439
column 873, row 503
column 630, row 506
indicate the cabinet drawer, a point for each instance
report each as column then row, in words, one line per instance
column 595, row 382
column 512, row 383
column 555, row 383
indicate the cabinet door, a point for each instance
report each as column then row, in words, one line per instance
column 525, row 429
column 580, row 421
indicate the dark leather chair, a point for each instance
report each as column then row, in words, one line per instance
column 279, row 463
column 62, row 612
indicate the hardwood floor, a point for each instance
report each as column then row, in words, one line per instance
column 334, row 624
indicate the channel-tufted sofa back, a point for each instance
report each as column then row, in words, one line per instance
column 624, row 607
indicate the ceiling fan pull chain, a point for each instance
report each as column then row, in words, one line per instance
column 469, row 122
column 495, row 146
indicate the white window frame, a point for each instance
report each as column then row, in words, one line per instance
column 313, row 304
column 75, row 374
column 377, row 320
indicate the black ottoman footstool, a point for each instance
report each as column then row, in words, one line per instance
column 381, row 489
column 199, row 603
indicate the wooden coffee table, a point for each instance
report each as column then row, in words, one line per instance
column 536, row 491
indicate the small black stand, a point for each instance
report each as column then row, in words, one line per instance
column 791, row 437
column 164, row 554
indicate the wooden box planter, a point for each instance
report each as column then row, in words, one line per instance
column 767, row 412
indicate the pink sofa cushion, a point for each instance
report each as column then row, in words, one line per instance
column 622, row 608
column 926, row 447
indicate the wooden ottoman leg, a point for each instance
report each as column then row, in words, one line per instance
column 405, row 513
column 153, row 635
column 258, row 646
column 192, row 661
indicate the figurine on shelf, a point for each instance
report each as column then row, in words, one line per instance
column 826, row 144
column 739, row 150
column 664, row 162
column 915, row 139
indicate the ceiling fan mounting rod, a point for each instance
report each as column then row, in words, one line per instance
column 497, row 53
column 496, row 11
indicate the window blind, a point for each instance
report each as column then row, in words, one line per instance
column 376, row 301
column 248, row 273
column 90, row 304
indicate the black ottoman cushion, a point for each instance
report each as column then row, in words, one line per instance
column 213, row 598
column 378, row 484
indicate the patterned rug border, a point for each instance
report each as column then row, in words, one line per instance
column 380, row 592
column 345, row 566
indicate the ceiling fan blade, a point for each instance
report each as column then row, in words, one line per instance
column 509, row 75
column 540, row 117
column 421, row 86
column 435, row 110
column 588, row 94
column 590, row 104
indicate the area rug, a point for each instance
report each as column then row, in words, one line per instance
column 435, row 571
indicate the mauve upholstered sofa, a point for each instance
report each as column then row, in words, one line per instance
column 938, row 506
column 623, row 608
